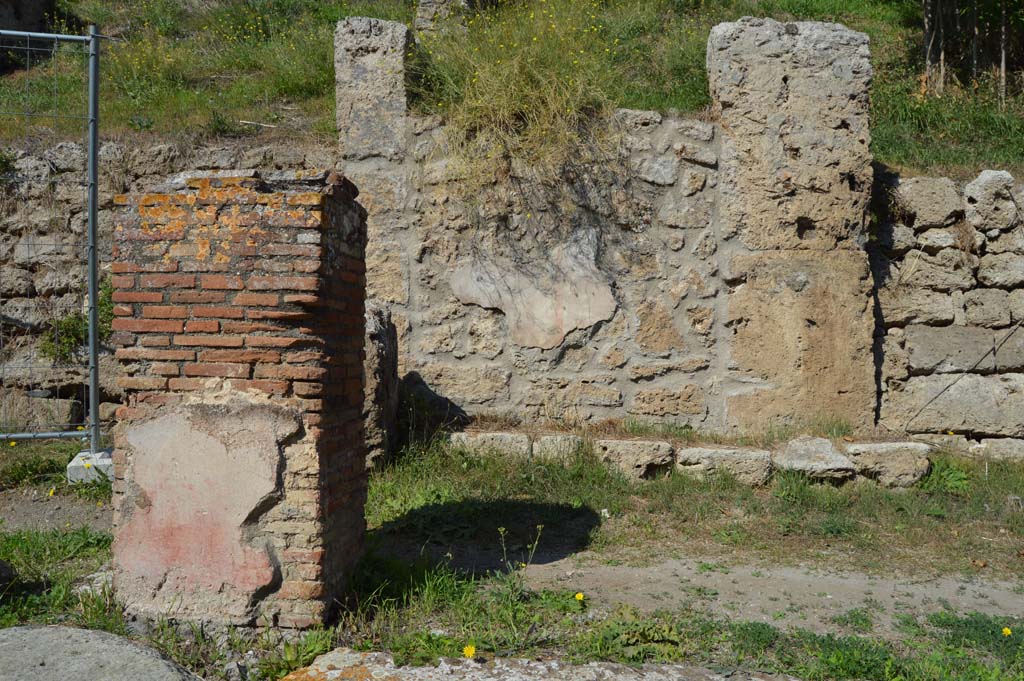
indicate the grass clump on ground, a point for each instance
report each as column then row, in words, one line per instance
column 42, row 465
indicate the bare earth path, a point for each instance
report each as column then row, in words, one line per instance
column 807, row 597
column 31, row 508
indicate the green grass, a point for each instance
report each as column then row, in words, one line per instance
column 49, row 564
column 520, row 511
column 527, row 79
column 43, row 465
column 440, row 494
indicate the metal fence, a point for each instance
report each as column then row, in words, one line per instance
column 49, row 283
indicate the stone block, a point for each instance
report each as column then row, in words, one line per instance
column 956, row 349
column 86, row 467
column 639, row 459
column 557, row 447
column 659, row 402
column 510, row 444
column 369, row 69
column 989, row 202
column 892, row 464
column 795, row 164
column 948, row 270
column 1002, row 270
column 433, row 16
column 802, row 336
column 932, row 201
column 35, row 653
column 749, row 466
column 21, row 410
column 968, row 403
column 815, row 457
column 466, row 385
column 545, row 299
column 988, row 307
column 1004, row 448
column 901, row 305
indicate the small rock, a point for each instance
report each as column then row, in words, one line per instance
column 892, row 464
column 896, row 238
column 933, row 201
column 236, row 671
column 516, row 444
column 815, row 457
column 989, row 201
column 749, row 466
column 934, row 240
column 638, row 459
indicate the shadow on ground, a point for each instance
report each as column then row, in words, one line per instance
column 469, row 534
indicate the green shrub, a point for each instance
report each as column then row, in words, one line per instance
column 67, row 334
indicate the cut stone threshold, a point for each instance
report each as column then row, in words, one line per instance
column 895, row 464
column 345, row 663
column 89, row 467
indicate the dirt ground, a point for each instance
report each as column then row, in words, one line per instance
column 808, row 596
column 31, row 508
column 805, row 597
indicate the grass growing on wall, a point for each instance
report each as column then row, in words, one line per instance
column 527, row 78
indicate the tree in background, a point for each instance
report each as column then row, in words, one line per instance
column 969, row 41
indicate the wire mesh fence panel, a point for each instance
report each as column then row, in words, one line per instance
column 47, row 206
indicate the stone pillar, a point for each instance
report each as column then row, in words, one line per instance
column 240, row 476
column 795, row 179
column 376, row 137
column 369, row 72
column 434, row 16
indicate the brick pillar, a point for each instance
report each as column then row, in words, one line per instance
column 240, row 480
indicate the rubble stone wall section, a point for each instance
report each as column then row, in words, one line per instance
column 240, row 475
column 949, row 271
column 685, row 271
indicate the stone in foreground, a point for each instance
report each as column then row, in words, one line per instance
column 512, row 444
column 636, row 458
column 49, row 653
column 815, row 457
column 749, row 466
column 87, row 467
column 344, row 664
column 557, row 447
column 892, row 464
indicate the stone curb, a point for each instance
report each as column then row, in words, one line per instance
column 890, row 464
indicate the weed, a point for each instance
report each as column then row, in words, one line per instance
column 294, row 655
column 67, row 335
column 857, row 619
column 947, row 477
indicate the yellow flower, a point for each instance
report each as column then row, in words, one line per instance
column 579, row 596
column 1007, row 631
column 99, row 504
column 80, row 428
column 13, row 443
column 469, row 652
column 52, row 491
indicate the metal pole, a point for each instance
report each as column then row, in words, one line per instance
column 94, row 345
